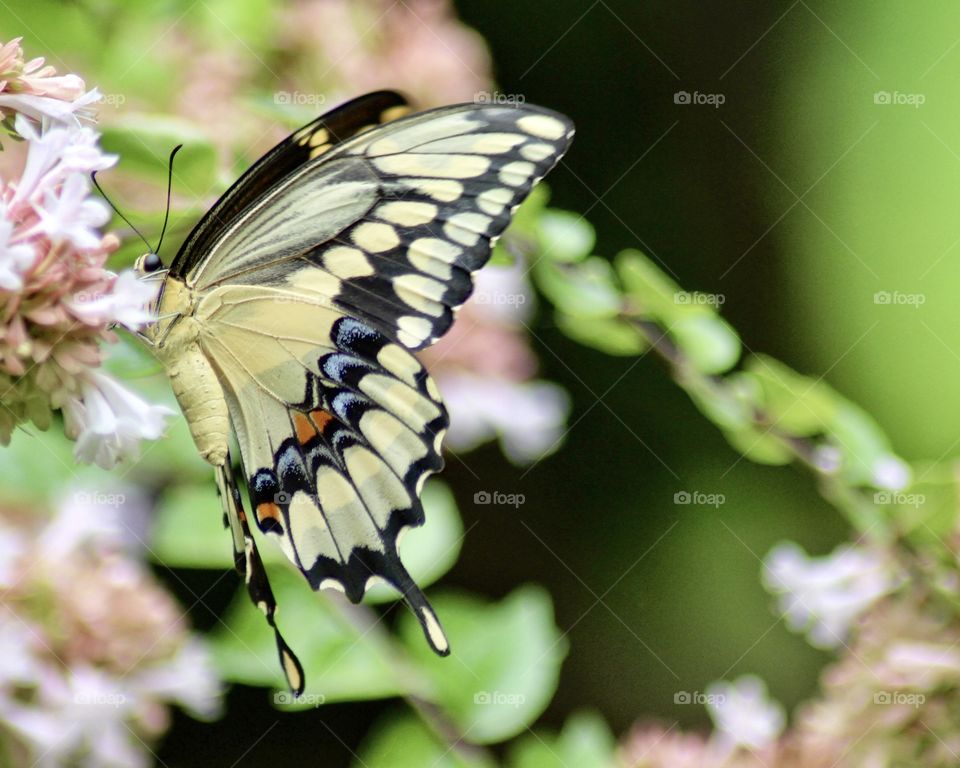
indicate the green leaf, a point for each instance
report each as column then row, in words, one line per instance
column 861, row 440
column 796, row 404
column 430, row 551
column 584, row 742
column 144, row 143
column 587, row 289
column 708, row 342
column 565, row 236
column 653, row 292
column 188, row 529
column 504, row 665
column 758, row 446
column 405, row 742
column 343, row 657
column 609, row 335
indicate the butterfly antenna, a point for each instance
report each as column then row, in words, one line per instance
column 166, row 216
column 93, row 178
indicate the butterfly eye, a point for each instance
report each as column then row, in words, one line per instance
column 150, row 263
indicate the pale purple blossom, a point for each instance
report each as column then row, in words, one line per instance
column 127, row 302
column 743, row 714
column 109, row 421
column 823, row 596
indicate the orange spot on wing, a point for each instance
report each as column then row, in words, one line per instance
column 321, row 418
column 268, row 510
column 304, row 427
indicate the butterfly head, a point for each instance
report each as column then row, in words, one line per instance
column 148, row 264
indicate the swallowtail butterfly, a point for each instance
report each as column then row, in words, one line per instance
column 291, row 313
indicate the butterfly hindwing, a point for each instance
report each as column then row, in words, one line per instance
column 338, row 429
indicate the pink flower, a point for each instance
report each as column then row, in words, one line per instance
column 35, row 90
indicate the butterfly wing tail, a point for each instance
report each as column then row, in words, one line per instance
column 247, row 561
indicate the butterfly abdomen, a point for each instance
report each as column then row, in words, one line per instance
column 197, row 390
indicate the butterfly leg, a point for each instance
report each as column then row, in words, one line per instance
column 247, row 561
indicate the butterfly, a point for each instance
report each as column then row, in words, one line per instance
column 289, row 317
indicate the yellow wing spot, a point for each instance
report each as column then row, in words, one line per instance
column 399, row 362
column 536, row 151
column 494, row 201
column 444, row 190
column 543, row 126
column 434, row 256
column 434, row 631
column 315, row 281
column 421, row 293
column 319, row 137
column 394, row 113
column 346, row 262
column 466, row 227
column 413, row 330
column 517, row 173
column 407, row 213
column 304, row 428
column 375, row 237
column 438, row 165
column 317, row 151
column 432, row 389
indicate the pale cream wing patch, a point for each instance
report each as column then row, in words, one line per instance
column 338, row 428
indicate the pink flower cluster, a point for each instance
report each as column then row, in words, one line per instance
column 58, row 302
column 93, row 650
